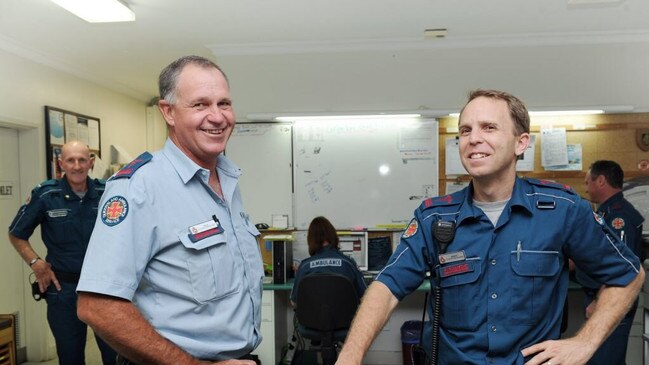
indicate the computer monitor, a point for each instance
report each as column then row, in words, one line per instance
column 354, row 245
column 379, row 250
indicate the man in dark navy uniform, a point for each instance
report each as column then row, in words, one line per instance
column 66, row 210
column 604, row 181
column 499, row 251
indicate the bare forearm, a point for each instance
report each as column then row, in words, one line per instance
column 612, row 304
column 23, row 248
column 376, row 307
column 121, row 324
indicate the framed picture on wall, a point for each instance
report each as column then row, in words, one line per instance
column 63, row 126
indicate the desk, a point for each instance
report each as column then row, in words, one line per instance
column 277, row 324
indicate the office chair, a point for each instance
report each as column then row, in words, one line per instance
column 326, row 304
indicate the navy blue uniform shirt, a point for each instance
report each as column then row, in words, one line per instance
column 329, row 260
column 626, row 222
column 504, row 287
column 66, row 221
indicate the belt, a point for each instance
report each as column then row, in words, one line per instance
column 121, row 360
column 67, row 277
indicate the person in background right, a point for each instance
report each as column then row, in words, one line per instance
column 604, row 186
column 325, row 256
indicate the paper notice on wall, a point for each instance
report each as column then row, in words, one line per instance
column 554, row 150
column 574, row 159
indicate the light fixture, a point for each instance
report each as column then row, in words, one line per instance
column 332, row 118
column 553, row 112
column 98, row 11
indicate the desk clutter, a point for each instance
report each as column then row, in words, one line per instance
column 283, row 250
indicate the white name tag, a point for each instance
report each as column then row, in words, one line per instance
column 57, row 213
column 452, row 257
column 202, row 227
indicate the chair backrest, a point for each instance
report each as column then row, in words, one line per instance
column 326, row 302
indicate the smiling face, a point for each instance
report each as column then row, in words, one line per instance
column 75, row 161
column 489, row 145
column 201, row 120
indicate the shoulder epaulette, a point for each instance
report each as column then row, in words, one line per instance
column 551, row 184
column 446, row 200
column 51, row 182
column 128, row 170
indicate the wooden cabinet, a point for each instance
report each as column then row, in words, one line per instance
column 7, row 340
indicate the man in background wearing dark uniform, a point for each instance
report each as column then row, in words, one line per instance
column 66, row 209
column 604, row 186
column 504, row 274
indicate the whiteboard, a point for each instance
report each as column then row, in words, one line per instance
column 263, row 152
column 337, row 171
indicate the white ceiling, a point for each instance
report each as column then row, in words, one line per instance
column 127, row 57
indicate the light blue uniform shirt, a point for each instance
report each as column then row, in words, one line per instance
column 204, row 296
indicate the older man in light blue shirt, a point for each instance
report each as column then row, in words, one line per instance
column 173, row 272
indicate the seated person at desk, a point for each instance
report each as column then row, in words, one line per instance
column 326, row 257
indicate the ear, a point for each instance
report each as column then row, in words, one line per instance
column 167, row 112
column 600, row 180
column 522, row 142
column 92, row 161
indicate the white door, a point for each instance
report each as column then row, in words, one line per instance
column 12, row 285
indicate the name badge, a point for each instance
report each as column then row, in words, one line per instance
column 456, row 269
column 452, row 257
column 206, row 229
column 57, row 213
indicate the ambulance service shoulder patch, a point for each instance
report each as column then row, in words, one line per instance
column 618, row 223
column 412, row 229
column 114, row 210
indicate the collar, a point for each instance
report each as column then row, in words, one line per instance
column 187, row 169
column 67, row 189
column 519, row 198
column 606, row 205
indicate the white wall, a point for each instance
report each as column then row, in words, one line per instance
column 26, row 87
column 543, row 76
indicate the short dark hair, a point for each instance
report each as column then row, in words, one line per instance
column 517, row 109
column 168, row 79
column 611, row 171
column 321, row 231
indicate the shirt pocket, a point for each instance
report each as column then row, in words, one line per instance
column 460, row 294
column 533, row 284
column 60, row 223
column 211, row 267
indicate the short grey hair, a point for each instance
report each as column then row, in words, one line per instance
column 168, row 78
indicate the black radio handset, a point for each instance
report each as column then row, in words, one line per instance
column 444, row 232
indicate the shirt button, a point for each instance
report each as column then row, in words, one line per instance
column 493, row 262
column 493, row 328
column 494, row 296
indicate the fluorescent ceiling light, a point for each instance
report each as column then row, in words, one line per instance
column 324, row 118
column 98, row 11
column 553, row 112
